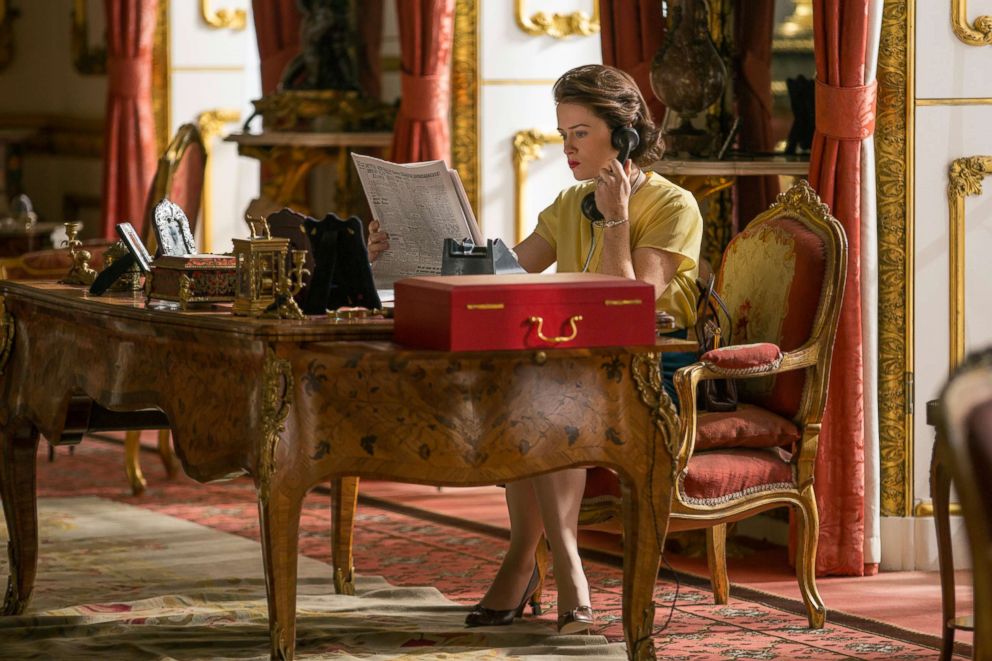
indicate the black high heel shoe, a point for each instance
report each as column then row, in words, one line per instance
column 480, row 616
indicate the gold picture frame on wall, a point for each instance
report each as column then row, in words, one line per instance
column 88, row 60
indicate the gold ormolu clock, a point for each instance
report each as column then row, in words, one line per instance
column 260, row 261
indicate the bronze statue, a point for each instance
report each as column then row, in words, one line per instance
column 327, row 58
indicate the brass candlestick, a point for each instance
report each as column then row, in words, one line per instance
column 289, row 286
column 80, row 272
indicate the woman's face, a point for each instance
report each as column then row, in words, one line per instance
column 587, row 140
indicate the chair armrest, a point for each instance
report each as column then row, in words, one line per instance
column 744, row 359
column 801, row 358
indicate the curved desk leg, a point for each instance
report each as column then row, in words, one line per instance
column 940, row 491
column 165, row 453
column 279, row 518
column 344, row 500
column 18, row 491
column 641, row 557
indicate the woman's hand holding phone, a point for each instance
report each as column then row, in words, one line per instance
column 613, row 188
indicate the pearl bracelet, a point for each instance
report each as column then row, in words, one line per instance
column 609, row 223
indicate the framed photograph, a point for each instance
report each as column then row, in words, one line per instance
column 135, row 246
column 172, row 230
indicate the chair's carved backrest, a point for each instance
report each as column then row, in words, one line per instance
column 783, row 280
column 178, row 178
column 965, row 447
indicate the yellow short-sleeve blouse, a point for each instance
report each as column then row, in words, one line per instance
column 662, row 215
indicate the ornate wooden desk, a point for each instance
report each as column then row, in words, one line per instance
column 294, row 404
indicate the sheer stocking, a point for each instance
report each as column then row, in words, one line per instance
column 548, row 503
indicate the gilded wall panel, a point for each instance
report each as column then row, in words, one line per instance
column 893, row 144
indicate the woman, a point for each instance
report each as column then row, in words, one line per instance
column 650, row 231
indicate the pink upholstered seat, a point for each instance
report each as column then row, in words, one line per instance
column 723, row 475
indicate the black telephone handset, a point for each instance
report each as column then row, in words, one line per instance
column 624, row 140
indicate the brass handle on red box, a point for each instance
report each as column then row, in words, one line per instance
column 539, row 322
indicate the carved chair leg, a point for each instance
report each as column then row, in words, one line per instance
column 165, row 453
column 716, row 557
column 51, row 453
column 344, row 501
column 809, row 532
column 940, row 491
column 132, row 463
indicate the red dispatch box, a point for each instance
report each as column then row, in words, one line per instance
column 490, row 312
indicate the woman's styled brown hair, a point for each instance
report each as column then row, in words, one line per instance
column 613, row 96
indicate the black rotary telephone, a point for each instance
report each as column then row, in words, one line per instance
column 625, row 140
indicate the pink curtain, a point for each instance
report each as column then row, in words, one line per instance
column 277, row 32
column 632, row 32
column 426, row 33
column 845, row 115
column 129, row 136
column 753, row 88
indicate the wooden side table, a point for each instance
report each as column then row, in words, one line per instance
column 940, row 492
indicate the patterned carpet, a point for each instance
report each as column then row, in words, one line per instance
column 118, row 582
column 412, row 552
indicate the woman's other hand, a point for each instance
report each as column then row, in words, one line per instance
column 613, row 190
column 378, row 241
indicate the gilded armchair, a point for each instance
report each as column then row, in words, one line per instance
column 179, row 178
column 783, row 280
column 964, row 447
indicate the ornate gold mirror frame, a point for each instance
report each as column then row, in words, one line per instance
column 894, row 173
column 894, row 137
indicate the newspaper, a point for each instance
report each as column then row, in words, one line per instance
column 418, row 205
